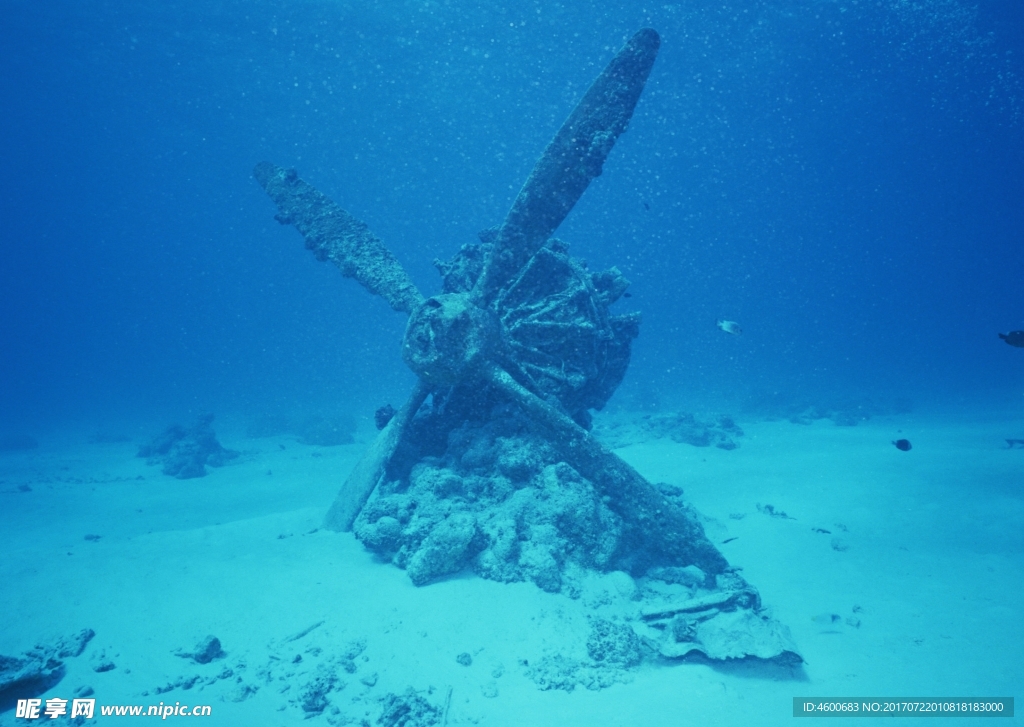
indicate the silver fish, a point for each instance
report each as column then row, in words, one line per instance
column 729, row 326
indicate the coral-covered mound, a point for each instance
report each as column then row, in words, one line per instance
column 184, row 453
column 497, row 498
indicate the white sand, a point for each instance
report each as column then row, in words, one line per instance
column 933, row 570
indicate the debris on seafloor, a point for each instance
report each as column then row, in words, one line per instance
column 770, row 511
column 185, row 453
column 205, row 651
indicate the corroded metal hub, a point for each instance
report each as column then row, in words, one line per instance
column 447, row 337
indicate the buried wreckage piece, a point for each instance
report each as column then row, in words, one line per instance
column 512, row 354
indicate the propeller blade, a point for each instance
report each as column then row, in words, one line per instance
column 333, row 234
column 677, row 532
column 364, row 477
column 573, row 158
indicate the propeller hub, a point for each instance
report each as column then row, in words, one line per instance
column 447, row 337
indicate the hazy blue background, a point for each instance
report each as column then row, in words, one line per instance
column 843, row 178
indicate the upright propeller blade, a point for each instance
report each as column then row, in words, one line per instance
column 573, row 158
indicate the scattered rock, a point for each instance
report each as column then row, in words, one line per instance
column 74, row 645
column 184, row 453
column 839, row 545
column 613, row 644
column 206, row 651
column 352, row 650
column 182, row 682
column 313, row 695
column 408, row 710
column 464, row 658
column 770, row 511
column 100, row 663
column 29, row 675
column 225, row 673
column 564, row 673
column 240, row 692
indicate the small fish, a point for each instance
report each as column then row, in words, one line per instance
column 1014, row 338
column 827, row 619
column 647, row 207
column 729, row 326
column 902, row 444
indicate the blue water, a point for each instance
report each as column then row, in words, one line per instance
column 841, row 178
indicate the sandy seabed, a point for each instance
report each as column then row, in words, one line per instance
column 899, row 574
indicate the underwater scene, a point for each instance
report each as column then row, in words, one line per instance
column 425, row 363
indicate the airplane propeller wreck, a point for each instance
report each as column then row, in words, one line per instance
column 491, row 464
